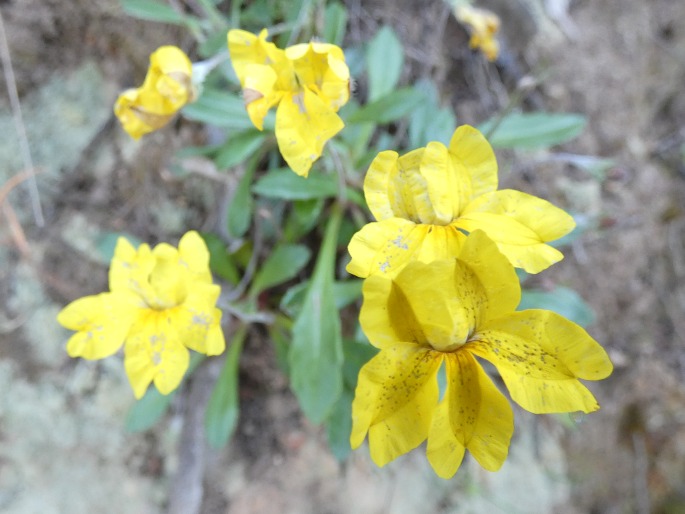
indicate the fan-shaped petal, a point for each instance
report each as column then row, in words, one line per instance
column 394, row 401
column 540, row 356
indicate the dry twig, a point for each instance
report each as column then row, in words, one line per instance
column 19, row 123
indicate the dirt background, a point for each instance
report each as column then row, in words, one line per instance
column 63, row 447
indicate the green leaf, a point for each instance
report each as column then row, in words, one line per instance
column 335, row 21
column 284, row 263
column 562, row 300
column 356, row 355
column 339, row 426
column 223, row 409
column 239, row 211
column 146, row 412
column 239, row 147
column 316, row 351
column 384, row 61
column 390, row 107
column 344, row 293
column 279, row 335
column 347, row 291
column 304, row 215
column 220, row 261
column 152, row 10
column 284, row 184
column 430, row 122
column 533, row 130
column 214, row 44
column 222, row 109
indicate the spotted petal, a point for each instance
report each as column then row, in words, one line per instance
column 442, row 298
column 154, row 353
column 387, row 246
column 472, row 415
column 540, row 356
column 197, row 322
column 394, row 400
column 494, row 272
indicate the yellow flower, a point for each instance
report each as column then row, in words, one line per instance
column 447, row 312
column 483, row 25
column 167, row 88
column 308, row 83
column 427, row 200
column 161, row 303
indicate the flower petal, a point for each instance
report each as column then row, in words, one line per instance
column 546, row 220
column 440, row 185
column 444, row 451
column 134, row 119
column 519, row 243
column 386, row 317
column 440, row 243
column 197, row 322
column 154, row 353
column 483, row 26
column 194, row 254
column 474, row 162
column 496, row 275
column 387, row 246
column 377, row 185
column 260, row 92
column 394, row 400
column 304, row 123
column 169, row 81
column 441, row 299
column 101, row 321
column 540, row 356
column 472, row 415
column 321, row 67
column 130, row 267
column 167, row 87
column 246, row 49
column 384, row 246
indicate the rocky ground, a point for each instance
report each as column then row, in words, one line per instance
column 63, row 447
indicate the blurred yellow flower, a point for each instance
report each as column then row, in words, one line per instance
column 448, row 312
column 161, row 303
column 428, row 200
column 308, row 82
column 166, row 89
column 483, row 25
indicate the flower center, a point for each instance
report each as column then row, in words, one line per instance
column 166, row 285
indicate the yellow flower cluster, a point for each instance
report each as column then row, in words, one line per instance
column 308, row 82
column 425, row 202
column 167, row 88
column 483, row 26
column 442, row 290
column 161, row 303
